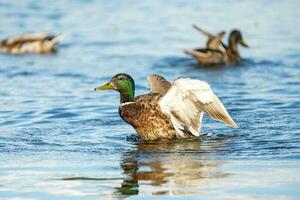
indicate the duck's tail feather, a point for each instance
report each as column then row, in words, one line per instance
column 56, row 39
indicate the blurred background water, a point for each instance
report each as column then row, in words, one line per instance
column 61, row 140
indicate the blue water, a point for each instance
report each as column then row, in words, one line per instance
column 61, row 140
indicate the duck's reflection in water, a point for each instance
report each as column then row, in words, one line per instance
column 177, row 168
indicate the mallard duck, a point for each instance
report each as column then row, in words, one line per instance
column 169, row 111
column 30, row 43
column 217, row 52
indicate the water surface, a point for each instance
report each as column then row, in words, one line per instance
column 61, row 140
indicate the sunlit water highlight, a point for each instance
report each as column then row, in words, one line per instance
column 60, row 139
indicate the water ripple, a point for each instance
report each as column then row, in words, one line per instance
column 60, row 139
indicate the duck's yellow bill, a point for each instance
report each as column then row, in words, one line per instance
column 244, row 43
column 107, row 86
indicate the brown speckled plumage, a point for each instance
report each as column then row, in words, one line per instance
column 145, row 116
column 158, row 84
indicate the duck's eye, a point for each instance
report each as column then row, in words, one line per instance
column 121, row 78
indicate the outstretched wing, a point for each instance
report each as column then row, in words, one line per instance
column 158, row 84
column 204, row 32
column 216, row 42
column 185, row 102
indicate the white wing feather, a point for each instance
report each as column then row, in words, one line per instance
column 185, row 102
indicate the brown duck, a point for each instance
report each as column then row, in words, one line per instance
column 30, row 43
column 216, row 52
column 169, row 111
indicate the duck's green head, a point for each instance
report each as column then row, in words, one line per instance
column 235, row 38
column 122, row 83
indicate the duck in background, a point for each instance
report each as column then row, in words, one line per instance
column 169, row 111
column 40, row 43
column 216, row 52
